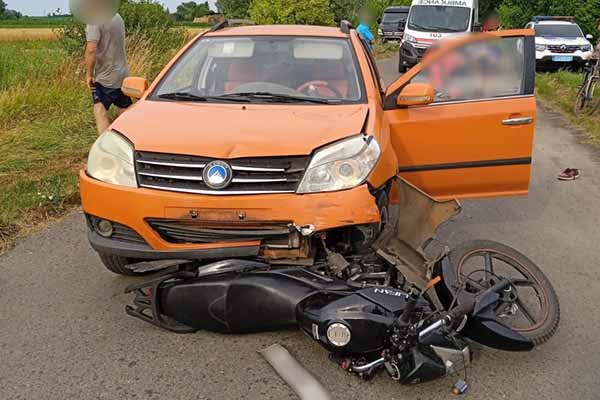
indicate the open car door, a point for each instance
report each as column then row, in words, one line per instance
column 462, row 122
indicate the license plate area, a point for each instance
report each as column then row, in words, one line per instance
column 562, row 58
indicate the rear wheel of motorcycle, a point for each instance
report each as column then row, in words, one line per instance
column 543, row 324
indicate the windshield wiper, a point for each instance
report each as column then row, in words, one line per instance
column 278, row 97
column 424, row 28
column 185, row 96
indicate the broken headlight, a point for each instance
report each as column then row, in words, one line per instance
column 111, row 160
column 341, row 165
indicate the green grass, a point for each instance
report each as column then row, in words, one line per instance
column 559, row 89
column 34, row 22
column 385, row 50
column 46, row 129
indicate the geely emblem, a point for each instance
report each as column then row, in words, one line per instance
column 217, row 175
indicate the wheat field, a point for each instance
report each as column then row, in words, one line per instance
column 20, row 34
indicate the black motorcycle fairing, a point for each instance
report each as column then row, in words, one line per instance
column 482, row 326
column 368, row 313
column 368, row 322
column 253, row 301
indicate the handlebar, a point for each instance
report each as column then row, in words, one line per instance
column 464, row 309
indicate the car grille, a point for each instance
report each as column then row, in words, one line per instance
column 180, row 173
column 272, row 234
column 560, row 49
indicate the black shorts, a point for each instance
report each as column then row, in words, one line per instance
column 108, row 97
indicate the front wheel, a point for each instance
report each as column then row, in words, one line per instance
column 529, row 306
column 118, row 265
column 581, row 101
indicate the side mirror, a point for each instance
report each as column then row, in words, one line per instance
column 416, row 94
column 379, row 20
column 589, row 37
column 135, row 87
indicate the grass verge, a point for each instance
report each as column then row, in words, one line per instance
column 47, row 128
column 559, row 90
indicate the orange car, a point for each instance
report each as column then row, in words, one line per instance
column 273, row 141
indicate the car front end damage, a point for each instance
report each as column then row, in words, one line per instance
column 143, row 205
column 163, row 225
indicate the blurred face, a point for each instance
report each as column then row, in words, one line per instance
column 365, row 18
column 94, row 12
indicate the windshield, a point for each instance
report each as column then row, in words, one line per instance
column 439, row 18
column 564, row 31
column 394, row 18
column 264, row 69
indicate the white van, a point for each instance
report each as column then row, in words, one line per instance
column 432, row 20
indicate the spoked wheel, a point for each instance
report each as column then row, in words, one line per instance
column 582, row 99
column 529, row 306
column 594, row 97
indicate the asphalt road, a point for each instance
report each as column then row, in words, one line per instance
column 64, row 333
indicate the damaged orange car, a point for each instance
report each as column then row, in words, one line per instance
column 271, row 142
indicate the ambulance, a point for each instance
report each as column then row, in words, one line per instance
column 432, row 20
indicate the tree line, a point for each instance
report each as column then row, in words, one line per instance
column 5, row 13
column 513, row 13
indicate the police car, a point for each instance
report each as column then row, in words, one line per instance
column 560, row 43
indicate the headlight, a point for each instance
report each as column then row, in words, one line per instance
column 586, row 47
column 409, row 38
column 379, row 32
column 540, row 47
column 111, row 160
column 342, row 165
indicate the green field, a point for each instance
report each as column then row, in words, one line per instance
column 34, row 22
column 45, row 131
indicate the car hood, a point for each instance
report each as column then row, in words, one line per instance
column 560, row 40
column 237, row 130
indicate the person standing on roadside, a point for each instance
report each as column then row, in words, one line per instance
column 364, row 29
column 106, row 65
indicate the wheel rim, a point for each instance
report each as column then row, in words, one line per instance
column 524, row 306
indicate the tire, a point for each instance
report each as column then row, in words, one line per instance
column 581, row 99
column 541, row 331
column 118, row 265
column 594, row 93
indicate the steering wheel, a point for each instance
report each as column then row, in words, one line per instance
column 321, row 88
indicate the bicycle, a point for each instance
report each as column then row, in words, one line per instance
column 588, row 97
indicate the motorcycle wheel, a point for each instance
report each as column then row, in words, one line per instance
column 530, row 306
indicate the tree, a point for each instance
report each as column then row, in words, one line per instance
column 190, row 10
column 3, row 6
column 487, row 8
column 234, row 8
column 516, row 13
column 346, row 9
column 303, row 12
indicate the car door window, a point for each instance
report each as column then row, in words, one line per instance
column 479, row 70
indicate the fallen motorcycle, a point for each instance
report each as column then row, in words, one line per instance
column 395, row 309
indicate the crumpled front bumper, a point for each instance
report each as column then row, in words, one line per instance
column 133, row 208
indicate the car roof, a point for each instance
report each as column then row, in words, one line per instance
column 397, row 9
column 280, row 30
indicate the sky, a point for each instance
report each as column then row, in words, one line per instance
column 43, row 7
